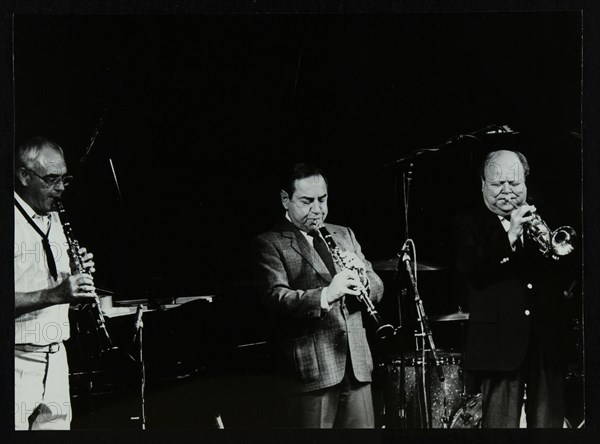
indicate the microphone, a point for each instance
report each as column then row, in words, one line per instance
column 138, row 326
column 406, row 247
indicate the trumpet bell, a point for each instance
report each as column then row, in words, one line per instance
column 562, row 240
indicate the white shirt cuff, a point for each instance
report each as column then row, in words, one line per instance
column 324, row 304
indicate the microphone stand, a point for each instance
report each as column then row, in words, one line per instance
column 139, row 330
column 402, row 292
column 487, row 130
column 425, row 336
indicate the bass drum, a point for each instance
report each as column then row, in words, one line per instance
column 403, row 386
column 469, row 415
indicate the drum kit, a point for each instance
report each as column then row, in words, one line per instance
column 426, row 387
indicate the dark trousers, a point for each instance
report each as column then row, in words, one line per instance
column 502, row 394
column 348, row 404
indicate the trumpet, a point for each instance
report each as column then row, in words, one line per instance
column 383, row 330
column 552, row 244
column 73, row 250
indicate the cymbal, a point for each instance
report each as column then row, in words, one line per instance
column 458, row 316
column 391, row 264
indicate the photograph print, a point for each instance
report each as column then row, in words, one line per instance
column 291, row 221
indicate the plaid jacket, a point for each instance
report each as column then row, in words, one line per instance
column 313, row 343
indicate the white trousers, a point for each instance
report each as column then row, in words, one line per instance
column 42, row 400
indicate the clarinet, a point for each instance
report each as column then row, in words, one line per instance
column 73, row 250
column 383, row 330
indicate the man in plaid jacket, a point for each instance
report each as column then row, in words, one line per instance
column 322, row 342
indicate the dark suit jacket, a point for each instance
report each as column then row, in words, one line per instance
column 514, row 298
column 314, row 344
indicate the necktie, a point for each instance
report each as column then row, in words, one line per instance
column 45, row 242
column 323, row 251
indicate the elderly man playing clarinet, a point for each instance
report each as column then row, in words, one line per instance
column 44, row 288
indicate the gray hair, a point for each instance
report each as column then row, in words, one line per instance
column 28, row 151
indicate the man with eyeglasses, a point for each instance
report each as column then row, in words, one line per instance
column 44, row 288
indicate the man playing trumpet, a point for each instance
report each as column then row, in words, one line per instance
column 515, row 339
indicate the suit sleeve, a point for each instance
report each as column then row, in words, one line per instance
column 375, row 282
column 274, row 286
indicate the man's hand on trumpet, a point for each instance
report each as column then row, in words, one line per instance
column 518, row 218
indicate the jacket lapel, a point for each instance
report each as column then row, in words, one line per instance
column 299, row 243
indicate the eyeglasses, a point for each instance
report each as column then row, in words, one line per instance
column 52, row 179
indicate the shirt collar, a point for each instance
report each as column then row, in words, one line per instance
column 505, row 222
column 304, row 233
column 30, row 211
column 287, row 216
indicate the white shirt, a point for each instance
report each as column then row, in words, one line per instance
column 49, row 324
column 506, row 225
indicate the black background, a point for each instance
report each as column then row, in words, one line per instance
column 203, row 112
